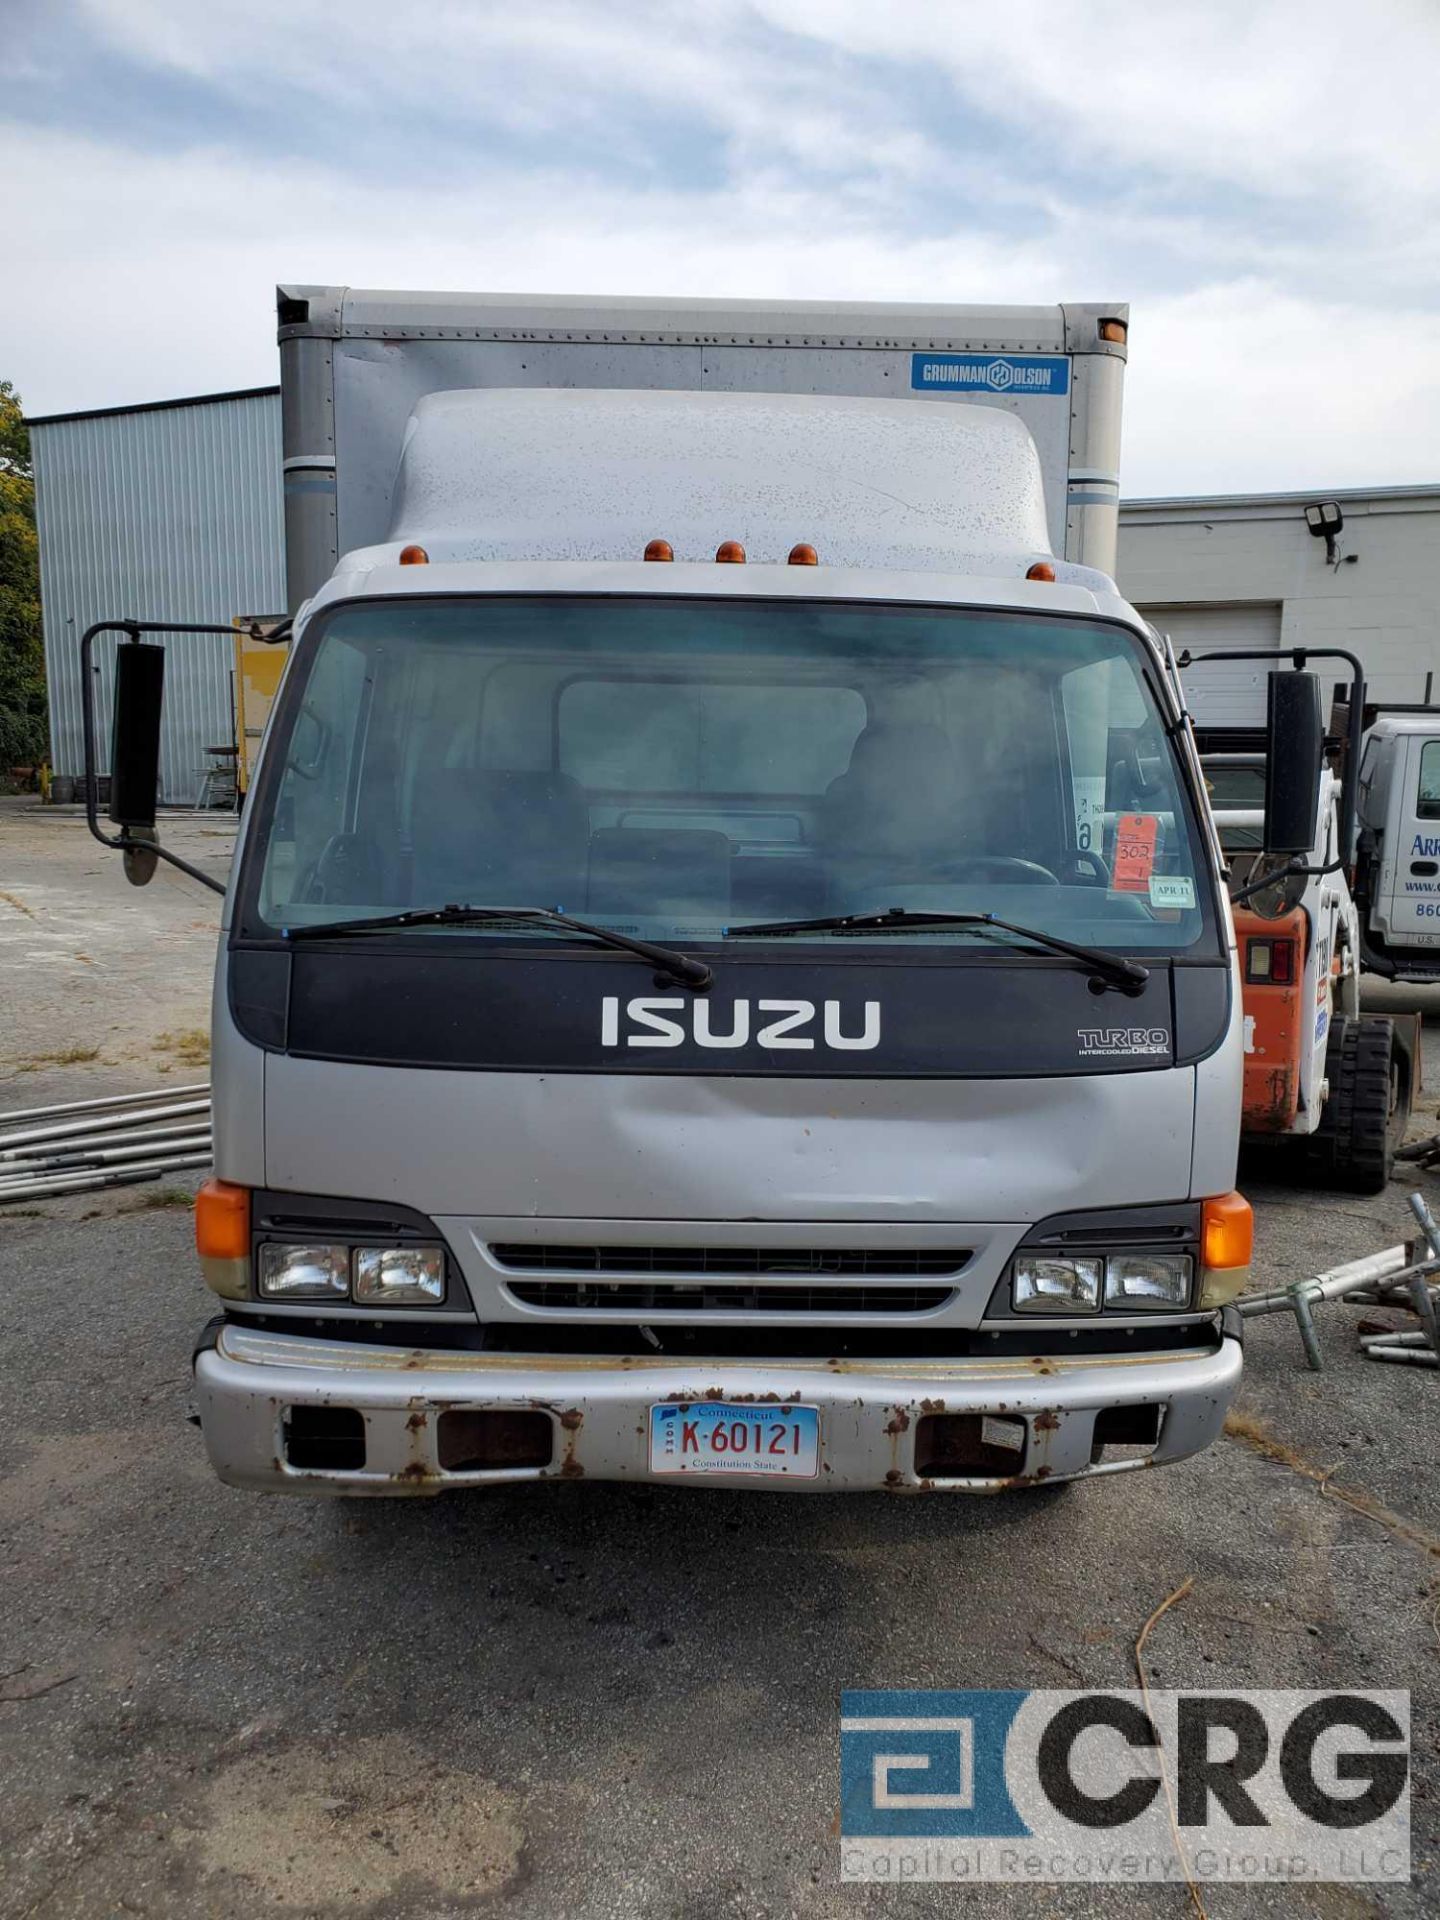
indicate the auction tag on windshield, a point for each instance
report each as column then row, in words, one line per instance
column 1135, row 837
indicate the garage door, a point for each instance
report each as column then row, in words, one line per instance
column 1227, row 693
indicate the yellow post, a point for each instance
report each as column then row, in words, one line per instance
column 258, row 667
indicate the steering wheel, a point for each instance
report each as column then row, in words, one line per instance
column 1087, row 865
column 989, row 866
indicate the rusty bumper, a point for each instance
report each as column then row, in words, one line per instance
column 871, row 1412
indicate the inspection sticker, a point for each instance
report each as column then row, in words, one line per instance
column 1171, row 890
column 1135, row 837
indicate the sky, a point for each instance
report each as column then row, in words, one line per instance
column 1259, row 179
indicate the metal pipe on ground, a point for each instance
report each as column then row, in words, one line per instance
column 1331, row 1285
column 107, row 1123
column 1403, row 1272
column 59, row 1185
column 96, row 1106
column 111, row 1156
column 82, row 1143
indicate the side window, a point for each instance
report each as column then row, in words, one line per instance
column 1427, row 804
column 320, row 761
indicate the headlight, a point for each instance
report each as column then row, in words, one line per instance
column 1140, row 1280
column 400, row 1276
column 1044, row 1283
column 304, row 1273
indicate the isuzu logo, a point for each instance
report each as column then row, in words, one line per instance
column 1109, row 1041
column 775, row 1024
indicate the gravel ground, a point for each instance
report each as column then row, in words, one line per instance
column 580, row 1700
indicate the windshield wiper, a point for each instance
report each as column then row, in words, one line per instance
column 1114, row 968
column 694, row 973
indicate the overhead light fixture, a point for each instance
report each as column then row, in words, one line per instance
column 1325, row 520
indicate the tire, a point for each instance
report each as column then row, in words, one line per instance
column 1354, row 1141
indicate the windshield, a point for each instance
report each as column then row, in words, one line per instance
column 671, row 768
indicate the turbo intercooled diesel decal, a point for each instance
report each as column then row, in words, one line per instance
column 1108, row 1043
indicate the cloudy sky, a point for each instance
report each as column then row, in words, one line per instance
column 1260, row 179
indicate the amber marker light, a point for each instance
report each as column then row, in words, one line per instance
column 802, row 554
column 222, row 1221
column 1115, row 330
column 730, row 553
column 414, row 557
column 1042, row 570
column 1227, row 1231
column 659, row 550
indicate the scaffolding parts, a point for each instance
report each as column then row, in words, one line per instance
column 1400, row 1276
column 116, row 1142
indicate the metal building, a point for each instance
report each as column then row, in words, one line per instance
column 172, row 512
column 1248, row 571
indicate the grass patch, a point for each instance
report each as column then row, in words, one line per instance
column 158, row 1199
column 63, row 1057
column 189, row 1045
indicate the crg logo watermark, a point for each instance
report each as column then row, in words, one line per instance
column 1052, row 1786
column 1121, row 1042
column 776, row 1025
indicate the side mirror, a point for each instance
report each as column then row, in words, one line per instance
column 135, row 736
column 1295, row 750
column 134, row 746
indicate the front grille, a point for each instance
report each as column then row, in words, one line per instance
column 659, row 1296
column 736, row 1262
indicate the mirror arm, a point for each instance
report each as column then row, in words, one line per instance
column 125, row 841
column 1291, row 870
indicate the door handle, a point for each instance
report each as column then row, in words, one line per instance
column 1426, row 868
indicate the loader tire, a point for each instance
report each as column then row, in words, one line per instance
column 1355, row 1140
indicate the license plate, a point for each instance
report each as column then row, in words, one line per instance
column 741, row 1441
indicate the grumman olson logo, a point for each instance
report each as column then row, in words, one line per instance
column 1113, row 1041
column 779, row 1024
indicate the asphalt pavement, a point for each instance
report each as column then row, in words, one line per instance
column 585, row 1700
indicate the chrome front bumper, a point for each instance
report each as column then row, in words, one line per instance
column 248, row 1380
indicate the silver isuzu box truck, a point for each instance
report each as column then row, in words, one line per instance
column 726, row 973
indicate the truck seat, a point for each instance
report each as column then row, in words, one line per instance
column 681, row 871
column 896, row 810
column 498, row 839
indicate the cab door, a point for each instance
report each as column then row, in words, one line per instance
column 1415, row 860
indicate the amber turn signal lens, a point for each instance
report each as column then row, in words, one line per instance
column 659, row 550
column 1227, row 1231
column 803, row 555
column 1042, row 570
column 730, row 553
column 222, row 1221
column 414, row 557
column 1114, row 330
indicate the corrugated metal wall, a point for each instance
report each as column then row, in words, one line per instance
column 170, row 513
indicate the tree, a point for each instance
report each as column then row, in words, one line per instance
column 24, row 729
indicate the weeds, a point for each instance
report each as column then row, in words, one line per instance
column 158, row 1199
column 189, row 1045
column 64, row 1057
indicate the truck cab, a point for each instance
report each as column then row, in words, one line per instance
column 1399, row 869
